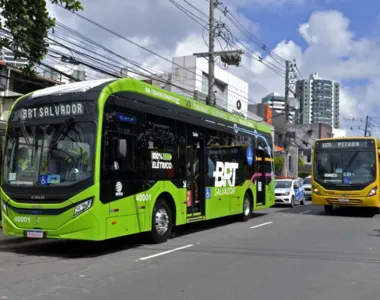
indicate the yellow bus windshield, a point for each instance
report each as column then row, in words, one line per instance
column 344, row 166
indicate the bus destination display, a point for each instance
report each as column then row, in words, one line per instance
column 52, row 110
column 344, row 144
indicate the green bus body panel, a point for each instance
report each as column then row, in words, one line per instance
column 129, row 215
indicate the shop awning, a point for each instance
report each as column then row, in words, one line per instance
column 278, row 149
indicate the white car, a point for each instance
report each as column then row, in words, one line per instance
column 289, row 191
column 307, row 187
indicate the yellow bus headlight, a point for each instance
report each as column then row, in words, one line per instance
column 372, row 192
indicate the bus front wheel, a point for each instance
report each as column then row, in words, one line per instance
column 162, row 222
column 329, row 209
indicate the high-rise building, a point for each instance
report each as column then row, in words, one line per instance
column 277, row 104
column 318, row 101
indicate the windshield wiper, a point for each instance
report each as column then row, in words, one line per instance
column 352, row 159
column 25, row 134
column 61, row 131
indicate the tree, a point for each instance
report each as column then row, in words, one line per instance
column 29, row 23
column 301, row 164
column 278, row 165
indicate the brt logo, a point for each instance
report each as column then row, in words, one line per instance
column 225, row 172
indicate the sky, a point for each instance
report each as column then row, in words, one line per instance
column 339, row 39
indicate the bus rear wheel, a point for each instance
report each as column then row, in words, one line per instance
column 162, row 222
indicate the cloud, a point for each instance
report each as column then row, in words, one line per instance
column 332, row 49
column 335, row 53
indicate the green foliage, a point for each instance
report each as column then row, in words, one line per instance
column 300, row 162
column 303, row 174
column 29, row 23
column 278, row 165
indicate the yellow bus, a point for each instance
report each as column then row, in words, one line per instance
column 345, row 172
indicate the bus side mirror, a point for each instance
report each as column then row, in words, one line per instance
column 309, row 158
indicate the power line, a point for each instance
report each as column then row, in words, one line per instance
column 249, row 35
column 279, row 70
column 189, row 14
column 112, row 74
column 274, row 68
column 144, row 48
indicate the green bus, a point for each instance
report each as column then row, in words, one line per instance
column 106, row 158
column 3, row 126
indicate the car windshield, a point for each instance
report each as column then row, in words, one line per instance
column 307, row 181
column 284, row 184
column 355, row 167
column 48, row 155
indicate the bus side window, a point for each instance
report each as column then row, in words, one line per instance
column 124, row 155
column 118, row 153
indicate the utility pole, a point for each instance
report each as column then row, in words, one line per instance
column 290, row 135
column 287, row 79
column 211, row 63
column 228, row 57
column 287, row 139
column 366, row 126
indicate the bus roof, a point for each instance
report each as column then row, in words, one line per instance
column 106, row 87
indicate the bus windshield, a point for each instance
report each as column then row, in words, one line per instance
column 49, row 154
column 334, row 167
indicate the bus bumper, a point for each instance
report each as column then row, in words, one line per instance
column 348, row 200
column 84, row 227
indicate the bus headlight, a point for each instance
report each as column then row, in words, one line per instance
column 82, row 207
column 372, row 192
column 4, row 207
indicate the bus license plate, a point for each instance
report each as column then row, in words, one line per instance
column 343, row 200
column 35, row 234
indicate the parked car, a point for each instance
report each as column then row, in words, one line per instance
column 289, row 191
column 307, row 187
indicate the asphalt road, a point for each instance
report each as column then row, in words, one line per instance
column 287, row 254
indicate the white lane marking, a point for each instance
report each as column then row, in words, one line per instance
column 165, row 252
column 304, row 212
column 263, row 224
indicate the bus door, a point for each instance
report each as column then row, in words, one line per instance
column 260, row 178
column 195, row 176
